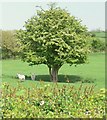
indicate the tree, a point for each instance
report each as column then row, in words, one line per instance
column 97, row 45
column 8, row 44
column 53, row 37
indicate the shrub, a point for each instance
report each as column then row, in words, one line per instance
column 54, row 101
column 9, row 44
column 97, row 45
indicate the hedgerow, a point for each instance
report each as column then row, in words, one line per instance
column 55, row 101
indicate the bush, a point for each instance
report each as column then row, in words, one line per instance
column 97, row 45
column 9, row 44
column 8, row 54
column 52, row 102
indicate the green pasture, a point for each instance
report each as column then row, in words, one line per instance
column 92, row 73
column 101, row 35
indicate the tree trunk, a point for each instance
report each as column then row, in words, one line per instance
column 53, row 73
column 50, row 73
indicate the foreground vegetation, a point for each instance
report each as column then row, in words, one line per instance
column 52, row 102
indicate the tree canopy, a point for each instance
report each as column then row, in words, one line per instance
column 8, row 44
column 53, row 37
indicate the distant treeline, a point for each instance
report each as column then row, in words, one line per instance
column 98, row 41
column 9, row 46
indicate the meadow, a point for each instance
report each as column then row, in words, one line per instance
column 100, row 34
column 91, row 73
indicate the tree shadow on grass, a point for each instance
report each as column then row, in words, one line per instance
column 61, row 78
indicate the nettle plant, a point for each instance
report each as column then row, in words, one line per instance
column 53, row 37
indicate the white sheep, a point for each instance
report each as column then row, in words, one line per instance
column 21, row 77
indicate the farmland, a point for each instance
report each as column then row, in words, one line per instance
column 82, row 97
column 41, row 98
column 91, row 73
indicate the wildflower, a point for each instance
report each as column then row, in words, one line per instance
column 42, row 103
column 87, row 112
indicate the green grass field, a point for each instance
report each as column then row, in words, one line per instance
column 92, row 73
column 100, row 35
